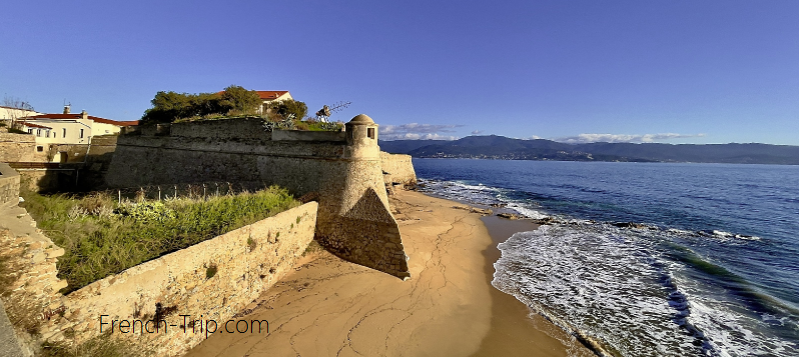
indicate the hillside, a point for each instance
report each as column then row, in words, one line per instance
column 500, row 147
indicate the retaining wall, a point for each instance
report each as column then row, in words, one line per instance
column 247, row 261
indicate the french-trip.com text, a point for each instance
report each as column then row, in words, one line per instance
column 186, row 324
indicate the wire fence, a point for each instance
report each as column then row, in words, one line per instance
column 194, row 191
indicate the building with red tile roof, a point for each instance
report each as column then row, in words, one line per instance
column 70, row 128
column 268, row 96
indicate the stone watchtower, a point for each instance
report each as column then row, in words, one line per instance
column 354, row 217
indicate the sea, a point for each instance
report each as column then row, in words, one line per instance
column 646, row 259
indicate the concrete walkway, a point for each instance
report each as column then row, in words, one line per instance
column 16, row 220
column 9, row 346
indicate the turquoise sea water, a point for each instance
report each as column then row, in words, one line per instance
column 712, row 271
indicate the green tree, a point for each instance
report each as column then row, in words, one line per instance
column 239, row 100
column 167, row 106
column 280, row 110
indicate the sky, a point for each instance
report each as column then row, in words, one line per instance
column 573, row 71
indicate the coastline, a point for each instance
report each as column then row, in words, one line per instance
column 515, row 330
column 328, row 306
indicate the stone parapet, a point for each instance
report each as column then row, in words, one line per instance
column 308, row 136
column 239, row 128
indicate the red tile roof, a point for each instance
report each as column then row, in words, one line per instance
column 79, row 116
column 266, row 94
column 36, row 126
column 116, row 122
column 270, row 94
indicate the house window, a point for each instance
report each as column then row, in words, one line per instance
column 40, row 148
column 81, row 133
column 64, row 132
column 30, row 131
column 370, row 132
column 38, row 132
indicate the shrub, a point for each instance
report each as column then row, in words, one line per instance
column 210, row 271
column 146, row 211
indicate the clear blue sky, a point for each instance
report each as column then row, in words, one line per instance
column 728, row 70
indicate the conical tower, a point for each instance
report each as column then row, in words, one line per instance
column 355, row 221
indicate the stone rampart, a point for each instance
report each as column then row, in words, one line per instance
column 309, row 136
column 342, row 169
column 235, row 129
column 397, row 169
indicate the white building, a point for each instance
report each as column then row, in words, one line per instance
column 9, row 113
column 268, row 96
column 70, row 128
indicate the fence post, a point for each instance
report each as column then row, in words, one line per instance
column 159, row 193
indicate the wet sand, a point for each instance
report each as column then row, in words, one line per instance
column 330, row 307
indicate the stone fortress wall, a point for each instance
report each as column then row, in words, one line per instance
column 344, row 170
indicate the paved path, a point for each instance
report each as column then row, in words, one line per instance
column 8, row 341
column 17, row 222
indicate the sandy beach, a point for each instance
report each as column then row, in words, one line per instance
column 330, row 307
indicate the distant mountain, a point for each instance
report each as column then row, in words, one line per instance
column 500, row 147
column 405, row 146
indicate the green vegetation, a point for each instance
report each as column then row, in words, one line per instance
column 286, row 109
column 233, row 102
column 210, row 271
column 313, row 125
column 102, row 237
column 171, row 106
